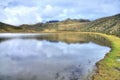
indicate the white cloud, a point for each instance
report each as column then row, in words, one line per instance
column 21, row 14
column 18, row 12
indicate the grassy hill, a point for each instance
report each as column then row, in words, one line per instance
column 52, row 26
column 9, row 28
column 108, row 25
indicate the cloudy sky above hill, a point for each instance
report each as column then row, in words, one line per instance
column 18, row 12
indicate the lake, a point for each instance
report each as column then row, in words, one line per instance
column 54, row 56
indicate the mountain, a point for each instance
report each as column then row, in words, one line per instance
column 108, row 25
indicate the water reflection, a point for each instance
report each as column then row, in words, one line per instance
column 63, row 37
column 49, row 57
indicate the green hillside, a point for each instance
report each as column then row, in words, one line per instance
column 51, row 26
column 108, row 25
column 9, row 28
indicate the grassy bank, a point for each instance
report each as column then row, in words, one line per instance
column 109, row 67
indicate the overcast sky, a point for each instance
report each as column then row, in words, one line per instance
column 18, row 12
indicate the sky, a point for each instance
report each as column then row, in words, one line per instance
column 17, row 12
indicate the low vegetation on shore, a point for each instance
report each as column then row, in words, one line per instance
column 109, row 67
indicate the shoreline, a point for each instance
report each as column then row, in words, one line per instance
column 106, row 67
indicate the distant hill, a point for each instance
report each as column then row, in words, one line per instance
column 108, row 25
column 52, row 21
column 50, row 26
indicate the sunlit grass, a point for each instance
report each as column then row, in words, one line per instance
column 108, row 68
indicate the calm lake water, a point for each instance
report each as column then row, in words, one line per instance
column 50, row 56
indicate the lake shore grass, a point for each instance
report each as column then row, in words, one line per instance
column 109, row 67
